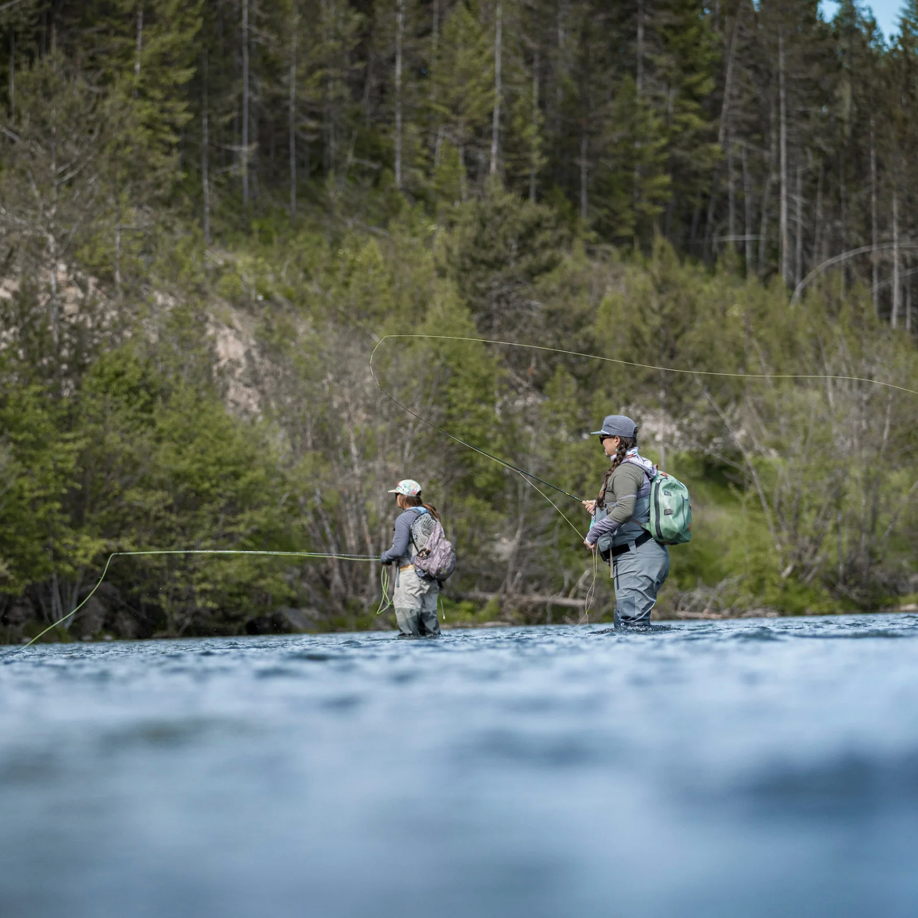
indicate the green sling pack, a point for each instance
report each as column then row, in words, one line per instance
column 670, row 510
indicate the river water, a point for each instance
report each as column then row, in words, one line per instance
column 735, row 769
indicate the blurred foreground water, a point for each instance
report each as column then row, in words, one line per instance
column 735, row 769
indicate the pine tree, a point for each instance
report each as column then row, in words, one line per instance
column 464, row 84
column 57, row 165
column 397, row 45
column 633, row 183
column 683, row 64
column 146, row 52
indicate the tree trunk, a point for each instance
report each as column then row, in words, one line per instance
column 435, row 47
column 12, row 90
column 908, row 306
column 639, row 76
column 763, row 232
column 731, row 198
column 559, row 75
column 330, row 139
column 53, row 250
column 798, row 242
column 874, row 265
column 205, row 156
column 292, row 117
column 782, row 106
column 818, row 235
column 118, row 255
column 639, row 87
column 896, row 279
column 533, row 166
column 696, row 219
column 139, row 47
column 709, row 242
column 463, row 179
column 399, row 34
column 495, row 127
column 747, row 210
column 245, row 105
column 843, row 201
column 728, row 80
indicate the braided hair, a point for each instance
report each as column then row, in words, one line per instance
column 625, row 443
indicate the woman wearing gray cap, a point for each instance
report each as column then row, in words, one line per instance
column 640, row 564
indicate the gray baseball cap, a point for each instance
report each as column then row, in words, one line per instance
column 616, row 425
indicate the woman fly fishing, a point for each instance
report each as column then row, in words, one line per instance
column 640, row 564
column 415, row 598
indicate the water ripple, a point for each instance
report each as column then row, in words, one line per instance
column 703, row 770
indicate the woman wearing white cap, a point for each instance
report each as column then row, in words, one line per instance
column 415, row 597
column 640, row 564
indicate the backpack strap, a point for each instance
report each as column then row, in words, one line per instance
column 644, row 490
column 420, row 511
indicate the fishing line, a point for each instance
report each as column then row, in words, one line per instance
column 563, row 514
column 624, row 363
column 591, row 591
column 446, row 433
column 385, row 601
column 384, row 577
column 528, row 476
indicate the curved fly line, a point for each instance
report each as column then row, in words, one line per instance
column 529, row 476
column 625, row 363
column 840, row 259
column 385, row 602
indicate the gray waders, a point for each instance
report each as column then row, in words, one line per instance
column 640, row 564
column 639, row 569
column 415, row 602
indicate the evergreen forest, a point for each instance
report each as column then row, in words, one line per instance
column 212, row 212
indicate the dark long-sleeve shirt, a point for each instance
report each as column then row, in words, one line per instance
column 620, row 495
column 401, row 540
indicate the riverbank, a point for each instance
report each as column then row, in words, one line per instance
column 236, row 410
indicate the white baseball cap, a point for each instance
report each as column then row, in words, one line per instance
column 407, row 486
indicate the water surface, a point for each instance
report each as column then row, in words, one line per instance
column 735, row 769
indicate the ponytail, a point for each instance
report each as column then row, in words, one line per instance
column 414, row 500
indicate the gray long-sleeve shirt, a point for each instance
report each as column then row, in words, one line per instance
column 402, row 539
column 620, row 495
